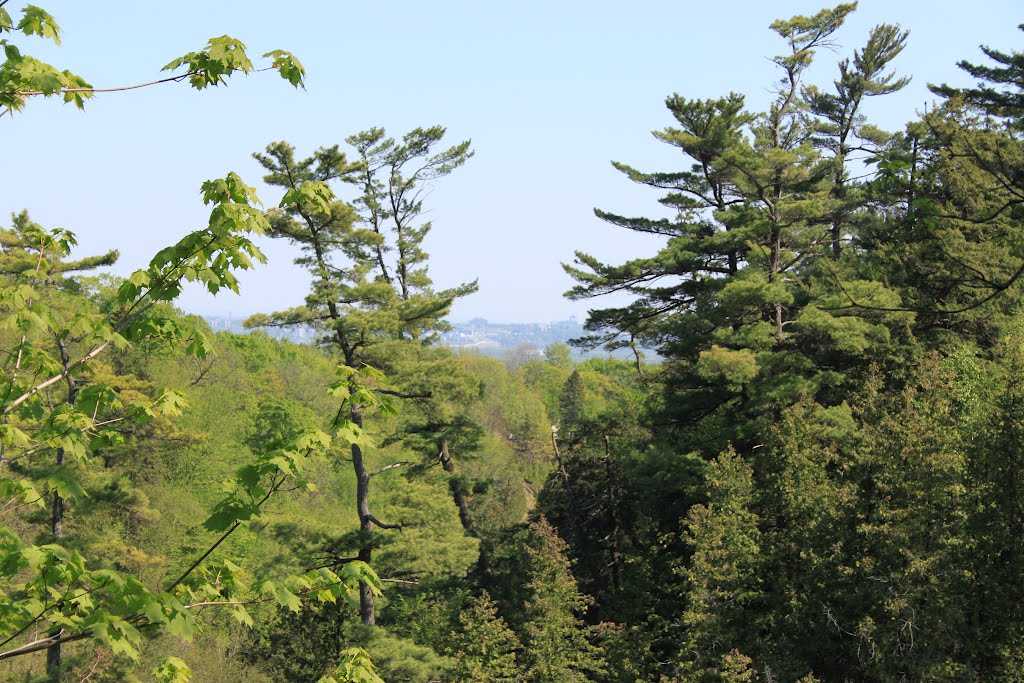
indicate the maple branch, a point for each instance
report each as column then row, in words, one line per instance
column 129, row 316
column 169, row 79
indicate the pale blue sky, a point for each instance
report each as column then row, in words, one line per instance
column 549, row 92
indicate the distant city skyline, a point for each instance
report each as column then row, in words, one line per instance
column 550, row 93
column 490, row 337
column 241, row 316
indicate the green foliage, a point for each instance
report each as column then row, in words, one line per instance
column 484, row 648
column 278, row 422
column 109, row 605
column 371, row 295
column 355, row 667
column 537, row 593
column 821, row 481
column 559, row 355
column 398, row 659
column 172, row 670
column 54, row 587
column 29, row 248
column 300, row 646
column 23, row 76
column 570, row 402
column 741, row 298
column 987, row 95
column 211, row 66
column 432, row 541
column 386, row 293
column 722, row 576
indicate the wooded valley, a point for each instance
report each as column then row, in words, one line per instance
column 818, row 478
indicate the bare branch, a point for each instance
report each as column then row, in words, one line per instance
column 390, row 392
column 381, row 524
column 392, row 466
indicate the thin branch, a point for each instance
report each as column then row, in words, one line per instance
column 46, row 643
column 273, row 489
column 399, row 394
column 392, row 466
column 997, row 289
column 169, row 79
column 55, row 605
column 335, row 561
column 84, row 430
column 134, row 311
column 219, row 603
column 43, row 644
column 100, row 659
column 382, row 525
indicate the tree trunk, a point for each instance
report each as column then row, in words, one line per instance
column 54, row 656
column 367, row 606
column 461, row 497
column 776, row 268
column 458, row 488
column 839, row 194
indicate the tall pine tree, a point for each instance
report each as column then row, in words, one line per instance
column 370, row 283
column 737, row 301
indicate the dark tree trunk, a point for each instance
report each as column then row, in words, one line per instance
column 458, row 488
column 367, row 605
column 54, row 656
column 837, row 225
column 776, row 269
column 461, row 497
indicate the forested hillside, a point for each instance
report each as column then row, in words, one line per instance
column 819, row 480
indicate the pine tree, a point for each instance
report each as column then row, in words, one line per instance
column 557, row 648
column 370, row 284
column 910, row 546
column 988, row 95
column 723, row 576
column 843, row 128
column 808, row 512
column 736, row 301
column 23, row 254
column 533, row 586
column 990, row 401
column 484, row 649
column 395, row 204
column 440, row 427
column 948, row 195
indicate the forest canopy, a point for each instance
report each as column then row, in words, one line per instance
column 816, row 481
